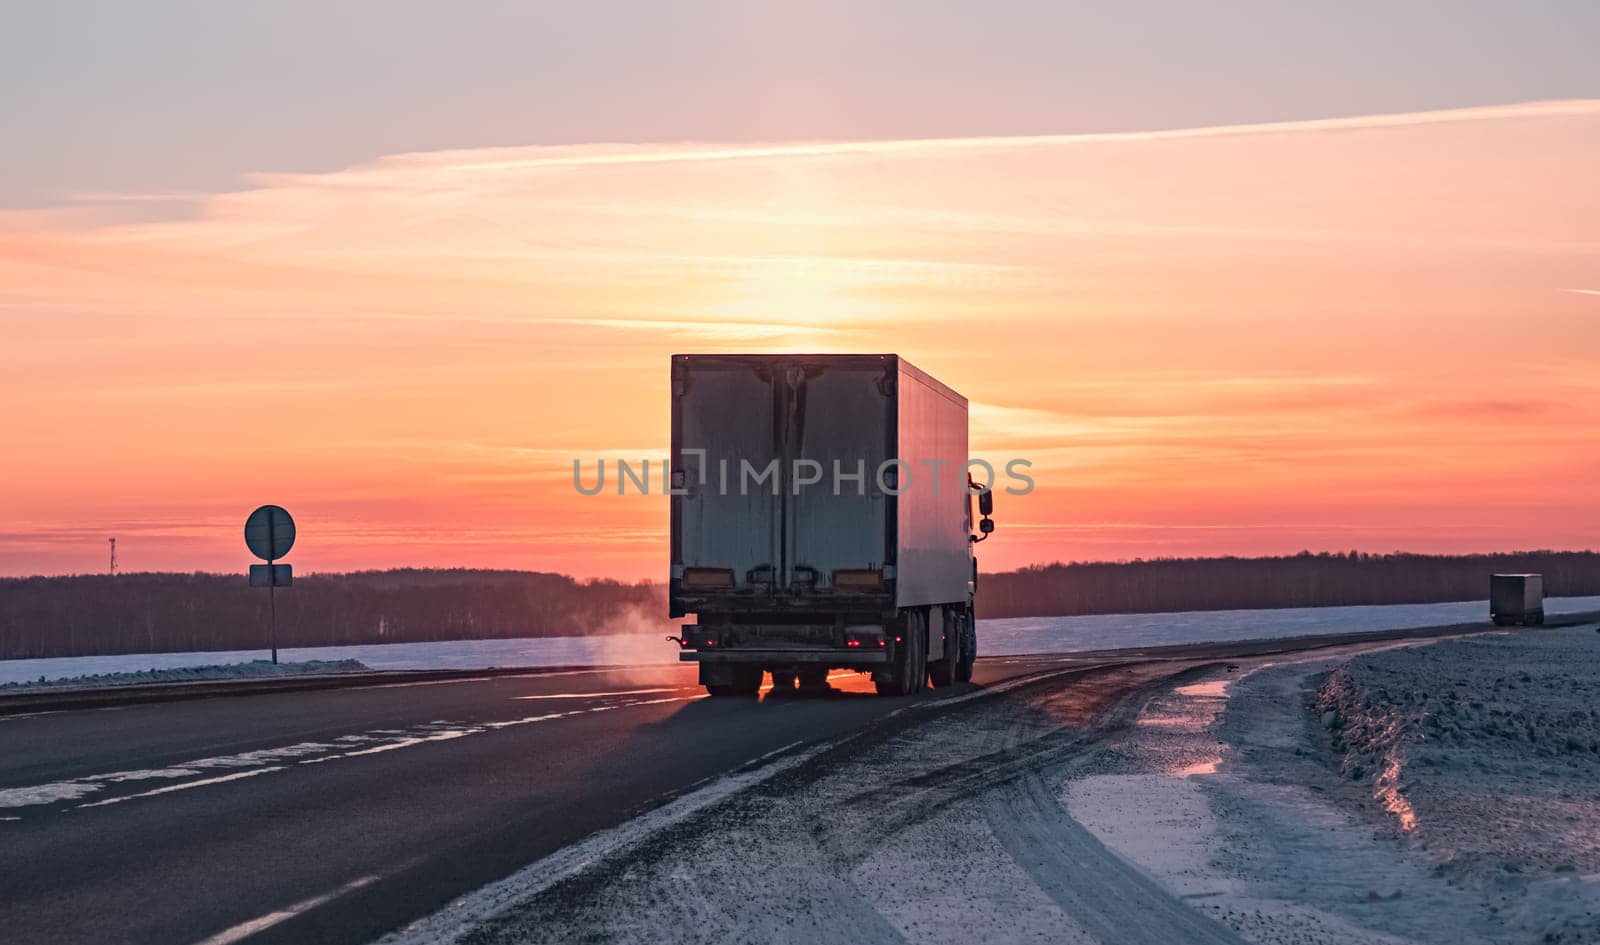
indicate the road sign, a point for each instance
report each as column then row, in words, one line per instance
column 269, row 532
column 271, row 575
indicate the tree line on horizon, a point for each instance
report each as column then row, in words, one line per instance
column 156, row 612
column 82, row 615
column 1164, row 585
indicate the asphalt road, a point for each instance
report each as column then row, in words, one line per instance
column 337, row 815
column 354, row 809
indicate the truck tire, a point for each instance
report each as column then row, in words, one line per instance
column 784, row 679
column 942, row 672
column 919, row 669
column 910, row 660
column 919, row 660
column 746, row 683
column 969, row 646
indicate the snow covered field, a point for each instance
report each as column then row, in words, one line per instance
column 1008, row 637
column 256, row 669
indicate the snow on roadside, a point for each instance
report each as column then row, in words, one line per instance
column 257, row 669
column 1237, row 798
column 1486, row 751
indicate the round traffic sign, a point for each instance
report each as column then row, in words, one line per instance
column 269, row 531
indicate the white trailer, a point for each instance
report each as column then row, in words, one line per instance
column 821, row 520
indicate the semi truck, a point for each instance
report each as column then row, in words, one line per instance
column 822, row 518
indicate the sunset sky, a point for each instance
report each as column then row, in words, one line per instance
column 1236, row 282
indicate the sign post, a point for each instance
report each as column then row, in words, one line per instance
column 269, row 534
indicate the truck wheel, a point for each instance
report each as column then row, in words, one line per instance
column 942, row 671
column 899, row 679
column 784, row 680
column 919, row 670
column 969, row 647
column 746, row 682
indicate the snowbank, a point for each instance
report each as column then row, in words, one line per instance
column 1486, row 750
column 1443, row 791
column 257, row 669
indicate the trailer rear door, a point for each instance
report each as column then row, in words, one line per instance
column 838, row 412
column 727, row 520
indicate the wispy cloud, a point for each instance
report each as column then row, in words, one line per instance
column 528, row 158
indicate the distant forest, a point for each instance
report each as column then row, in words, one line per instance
column 134, row 613
column 153, row 612
column 1164, row 585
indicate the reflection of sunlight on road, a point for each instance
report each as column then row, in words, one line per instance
column 1216, row 688
column 605, row 694
column 858, row 682
column 1199, row 767
column 1188, row 711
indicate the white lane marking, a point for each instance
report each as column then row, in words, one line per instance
column 374, row 742
column 403, row 743
column 246, row 929
column 29, row 715
column 603, row 694
column 45, row 793
column 237, row 775
column 377, row 741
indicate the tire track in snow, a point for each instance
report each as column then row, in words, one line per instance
column 1110, row 898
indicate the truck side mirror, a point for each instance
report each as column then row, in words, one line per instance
column 986, row 503
column 986, row 526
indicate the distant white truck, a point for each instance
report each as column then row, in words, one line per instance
column 1516, row 599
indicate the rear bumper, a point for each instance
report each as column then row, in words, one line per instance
column 829, row 657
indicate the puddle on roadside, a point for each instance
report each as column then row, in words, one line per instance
column 1188, row 712
column 1211, row 689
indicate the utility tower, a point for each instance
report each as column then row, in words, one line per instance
column 113, row 556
